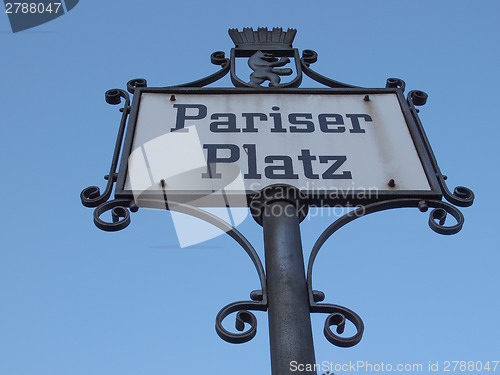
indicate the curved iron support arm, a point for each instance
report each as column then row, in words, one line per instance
column 217, row 58
column 339, row 314
column 461, row 196
column 259, row 297
column 91, row 196
column 231, row 231
column 310, row 57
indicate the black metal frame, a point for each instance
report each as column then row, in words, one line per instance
column 119, row 207
column 323, row 198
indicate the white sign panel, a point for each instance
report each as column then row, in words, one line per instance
column 204, row 143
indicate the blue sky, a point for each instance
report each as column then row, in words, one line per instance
column 76, row 300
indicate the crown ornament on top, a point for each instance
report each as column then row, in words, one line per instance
column 262, row 38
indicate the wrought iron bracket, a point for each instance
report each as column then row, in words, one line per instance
column 91, row 196
column 338, row 314
column 258, row 297
column 309, row 57
column 217, row 58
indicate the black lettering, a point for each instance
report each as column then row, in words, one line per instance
column 250, row 121
column 228, row 126
column 278, row 124
column 326, row 119
column 356, row 127
column 252, row 162
column 181, row 118
column 329, row 174
column 307, row 159
column 286, row 168
column 293, row 118
column 213, row 158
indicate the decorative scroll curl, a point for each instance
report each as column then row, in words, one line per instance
column 219, row 58
column 136, row 82
column 337, row 317
column 395, row 83
column 461, row 196
column 437, row 217
column 243, row 316
column 119, row 213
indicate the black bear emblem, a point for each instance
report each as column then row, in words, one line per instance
column 264, row 66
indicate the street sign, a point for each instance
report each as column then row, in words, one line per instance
column 278, row 149
column 349, row 147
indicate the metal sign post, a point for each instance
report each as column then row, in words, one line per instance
column 281, row 209
column 278, row 150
